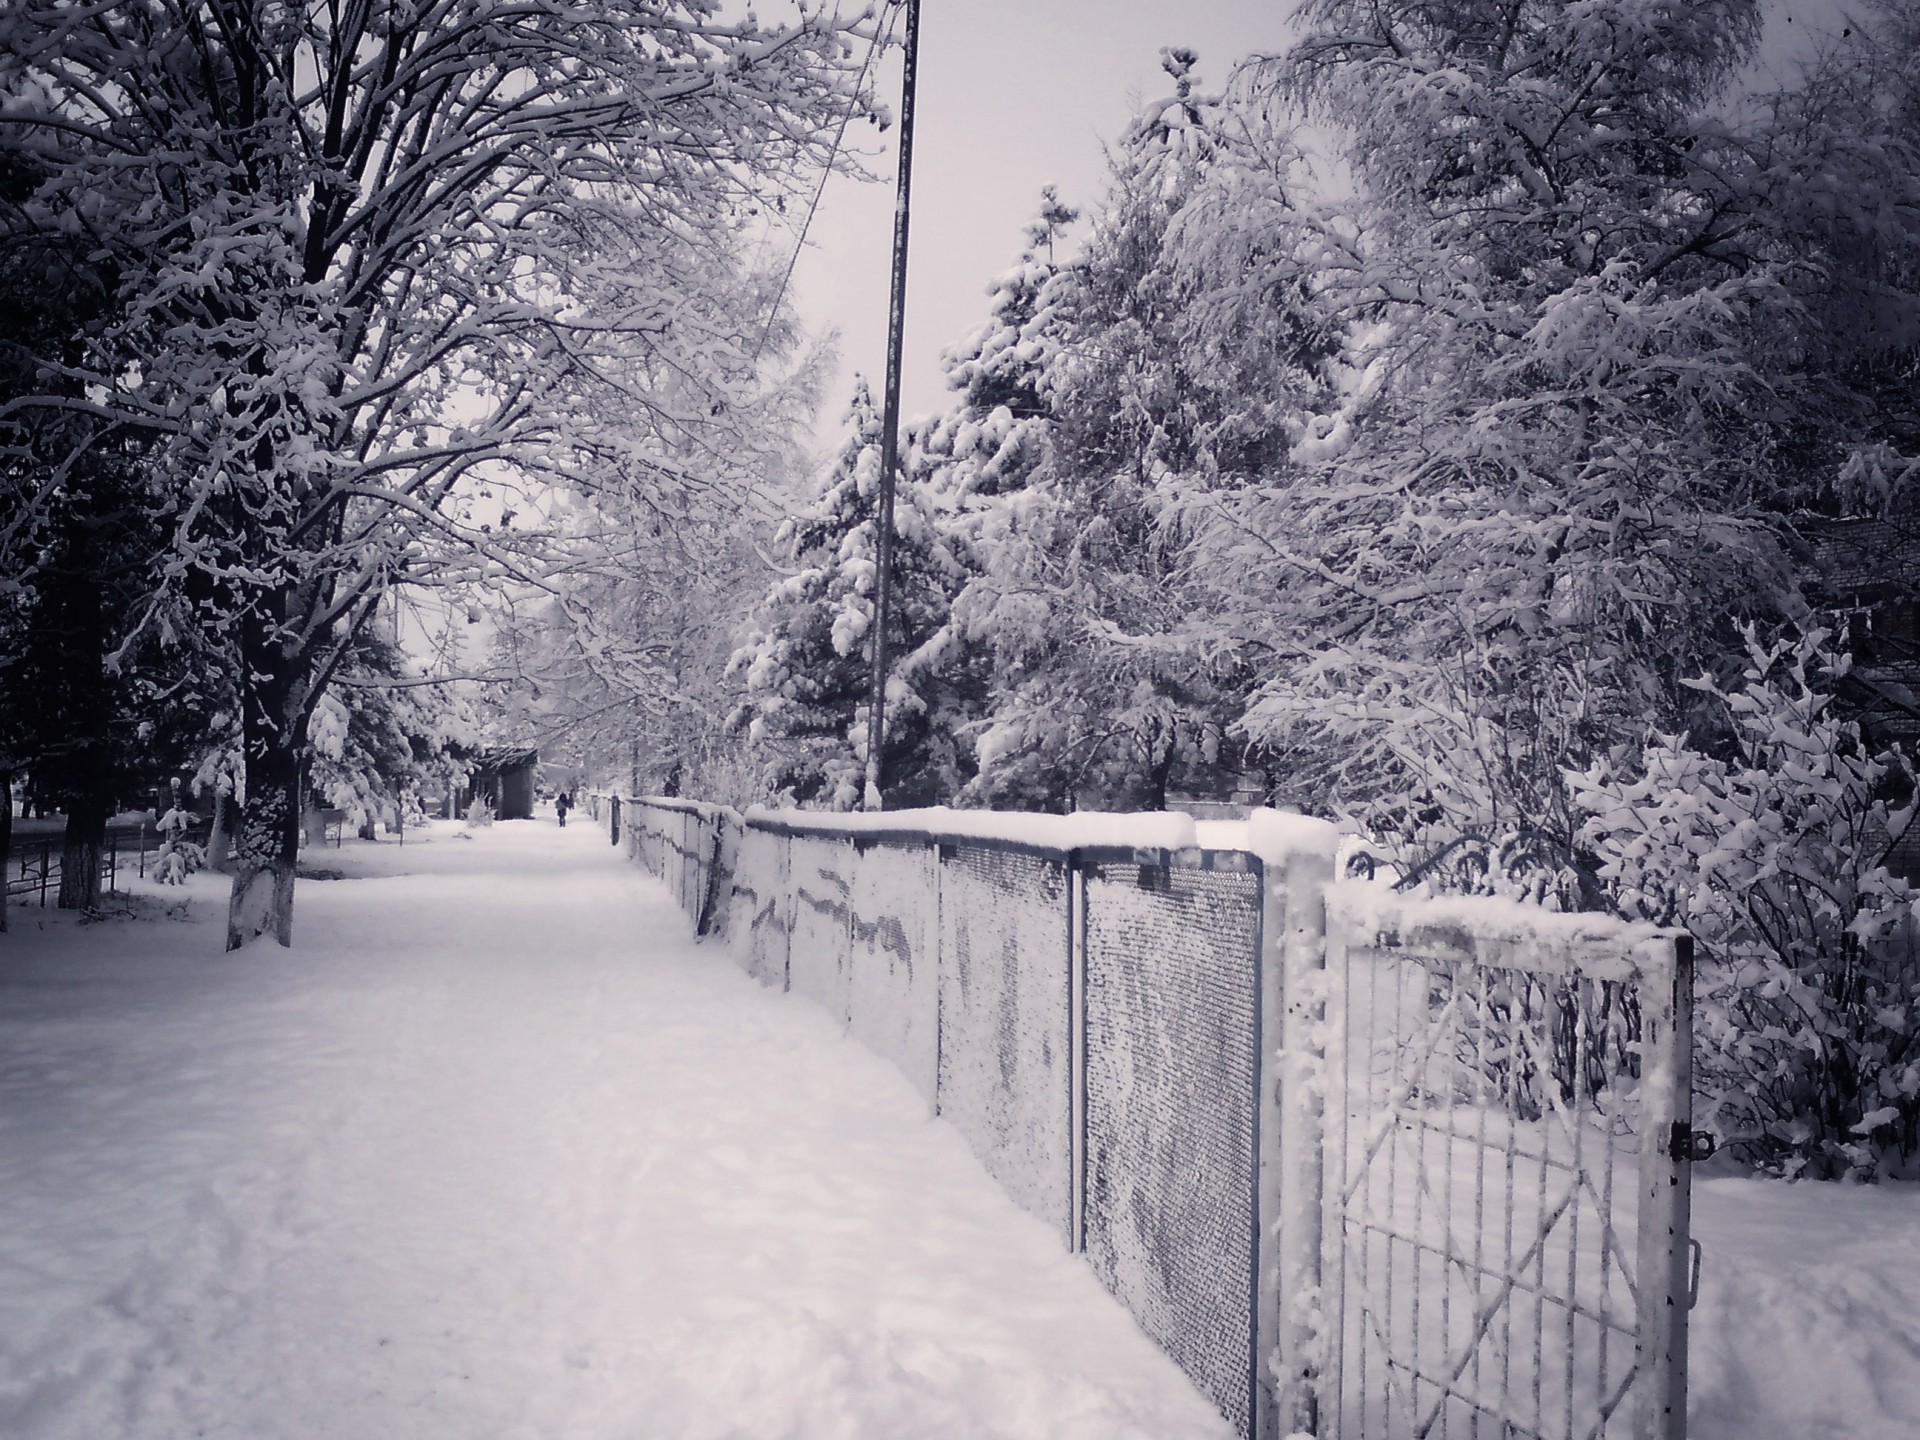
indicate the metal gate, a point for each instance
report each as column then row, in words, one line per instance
column 1506, row 1182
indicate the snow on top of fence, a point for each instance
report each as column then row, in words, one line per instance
column 1273, row 835
column 1270, row 834
column 1489, row 930
column 1085, row 829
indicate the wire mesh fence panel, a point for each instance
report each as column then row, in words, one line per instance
column 673, row 827
column 702, row 832
column 723, row 861
column 655, row 830
column 647, row 826
column 687, row 850
column 665, row 829
column 1005, row 1041
column 1172, row 960
column 640, row 838
column 820, row 881
column 894, row 975
column 1484, row 1173
column 694, row 860
column 759, row 917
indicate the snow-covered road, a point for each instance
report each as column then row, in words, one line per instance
column 495, row 1151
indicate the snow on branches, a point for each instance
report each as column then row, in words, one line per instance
column 365, row 262
column 1808, row 1016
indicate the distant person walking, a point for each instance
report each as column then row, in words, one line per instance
column 561, row 804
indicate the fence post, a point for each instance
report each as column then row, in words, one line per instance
column 613, row 823
column 786, row 912
column 1077, row 1058
column 1665, row 1251
column 1297, row 862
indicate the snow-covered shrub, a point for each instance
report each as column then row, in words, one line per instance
column 178, row 860
column 1807, row 1021
column 479, row 813
column 179, row 857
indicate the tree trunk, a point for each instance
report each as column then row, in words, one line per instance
column 89, row 804
column 220, row 838
column 6, row 839
column 267, row 846
column 313, row 823
column 84, row 848
column 266, row 849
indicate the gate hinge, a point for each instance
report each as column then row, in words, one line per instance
column 1685, row 1144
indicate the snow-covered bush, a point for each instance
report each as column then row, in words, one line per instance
column 479, row 813
column 179, row 857
column 1807, row 1026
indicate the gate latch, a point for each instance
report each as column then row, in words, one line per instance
column 1688, row 1144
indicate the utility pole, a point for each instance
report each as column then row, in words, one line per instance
column 890, row 421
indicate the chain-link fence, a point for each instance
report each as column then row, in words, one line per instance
column 1437, row 1190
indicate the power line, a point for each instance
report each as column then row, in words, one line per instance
column 879, row 43
column 890, row 424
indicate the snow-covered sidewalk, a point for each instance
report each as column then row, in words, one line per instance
column 496, row 1151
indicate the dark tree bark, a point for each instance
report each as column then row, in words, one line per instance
column 82, row 852
column 84, row 769
column 6, row 839
column 273, row 733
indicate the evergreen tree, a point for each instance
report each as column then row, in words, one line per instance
column 805, row 665
column 1105, row 688
column 380, row 729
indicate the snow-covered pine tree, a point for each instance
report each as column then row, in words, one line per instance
column 1107, row 687
column 989, row 461
column 804, row 667
column 380, row 727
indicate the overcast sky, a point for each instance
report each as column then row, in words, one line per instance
column 1014, row 95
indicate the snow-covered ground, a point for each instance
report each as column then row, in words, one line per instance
column 496, row 1151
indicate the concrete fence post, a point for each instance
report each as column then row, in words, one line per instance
column 1297, row 865
column 1666, row 1181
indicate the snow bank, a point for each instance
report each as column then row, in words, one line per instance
column 1808, row 1326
